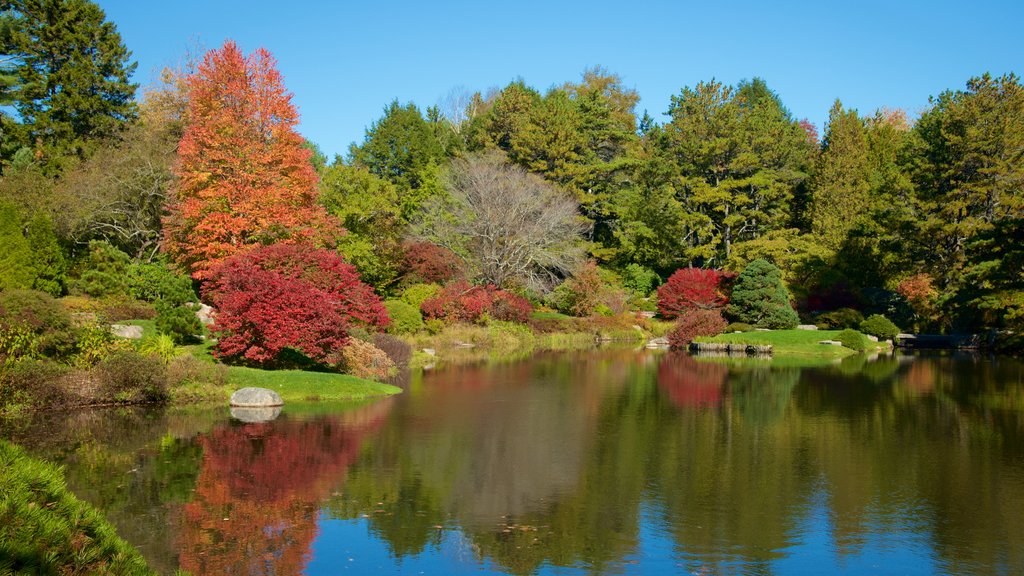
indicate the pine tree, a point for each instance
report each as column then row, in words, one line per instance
column 841, row 178
column 16, row 270
column 47, row 256
column 760, row 298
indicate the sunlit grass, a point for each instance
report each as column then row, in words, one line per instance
column 799, row 343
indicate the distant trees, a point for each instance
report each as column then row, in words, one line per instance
column 508, row 225
column 244, row 176
column 66, row 75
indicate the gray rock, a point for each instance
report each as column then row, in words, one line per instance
column 647, row 314
column 807, row 327
column 762, row 329
column 205, row 314
column 255, row 415
column 430, row 352
column 831, row 342
column 661, row 342
column 872, row 338
column 126, row 331
column 256, row 398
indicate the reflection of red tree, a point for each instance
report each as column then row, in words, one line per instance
column 920, row 377
column 257, row 496
column 690, row 383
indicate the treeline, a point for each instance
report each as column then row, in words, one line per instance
column 524, row 189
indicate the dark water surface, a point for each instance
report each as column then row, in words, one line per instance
column 611, row 462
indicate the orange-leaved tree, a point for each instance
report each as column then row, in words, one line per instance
column 244, row 178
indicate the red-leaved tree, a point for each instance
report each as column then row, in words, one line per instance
column 244, row 178
column 691, row 289
column 428, row 262
column 288, row 296
column 461, row 301
column 693, row 324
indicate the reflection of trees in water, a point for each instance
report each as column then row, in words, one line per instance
column 689, row 383
column 259, row 491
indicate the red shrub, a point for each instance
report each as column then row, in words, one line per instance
column 691, row 289
column 429, row 263
column 461, row 301
column 696, row 323
column 287, row 296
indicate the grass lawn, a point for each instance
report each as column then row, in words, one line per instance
column 791, row 343
column 299, row 386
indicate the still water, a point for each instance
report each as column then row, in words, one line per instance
column 611, row 462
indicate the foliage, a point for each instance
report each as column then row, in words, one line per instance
column 852, row 339
column 591, row 290
column 759, row 297
column 47, row 256
column 153, row 282
column 426, row 262
column 95, row 344
column 694, row 323
column 405, row 318
column 738, row 327
column 879, row 326
column 45, row 529
column 639, row 279
column 36, row 315
column 397, row 349
column 364, row 360
column 129, row 377
column 178, row 322
column 460, row 301
column 103, row 272
column 841, row 178
column 244, row 177
column 689, row 289
column 416, row 294
column 840, row 319
column 185, row 369
column 287, row 296
column 71, row 76
column 16, row 269
column 508, row 225
column 160, row 345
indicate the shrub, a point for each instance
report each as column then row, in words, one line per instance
column 416, row 294
column 879, row 326
column 16, row 270
column 759, row 297
column 852, row 339
column 47, row 256
column 287, row 296
column 131, row 377
column 696, row 323
column 95, row 343
column 738, row 327
column 690, row 289
column 591, row 290
column 161, row 346
column 405, row 319
column 156, row 282
column 395, row 348
column 840, row 319
column 639, row 279
column 118, row 310
column 187, row 369
column 103, row 272
column 33, row 382
column 429, row 263
column 460, row 301
column 38, row 314
column 364, row 360
column 178, row 322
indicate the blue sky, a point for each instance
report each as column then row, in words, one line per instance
column 344, row 61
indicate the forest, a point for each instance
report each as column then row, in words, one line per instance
column 513, row 204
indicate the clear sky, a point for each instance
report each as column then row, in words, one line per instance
column 344, row 61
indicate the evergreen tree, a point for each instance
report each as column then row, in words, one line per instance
column 69, row 81
column 16, row 270
column 759, row 297
column 841, row 178
column 47, row 256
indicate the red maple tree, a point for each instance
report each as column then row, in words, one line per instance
column 244, row 178
column 691, row 289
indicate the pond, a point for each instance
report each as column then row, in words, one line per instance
column 609, row 462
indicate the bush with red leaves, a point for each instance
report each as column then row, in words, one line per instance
column 277, row 300
column 691, row 289
column 425, row 262
column 461, row 301
column 696, row 323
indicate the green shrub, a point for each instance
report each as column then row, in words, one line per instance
column 839, row 319
column 130, row 377
column 37, row 312
column 738, row 327
column 44, row 529
column 155, row 281
column 639, row 279
column 178, row 322
column 16, row 270
column 852, row 339
column 759, row 297
column 416, row 294
column 103, row 272
column 405, row 318
column 879, row 326
column 434, row 326
column 95, row 343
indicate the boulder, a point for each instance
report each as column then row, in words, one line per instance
column 205, row 314
column 661, row 342
column 255, row 415
column 126, row 331
column 807, row 327
column 872, row 338
column 430, row 352
column 831, row 342
column 256, row 398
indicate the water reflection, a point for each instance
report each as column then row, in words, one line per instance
column 618, row 462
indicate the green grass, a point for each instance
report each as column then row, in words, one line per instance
column 791, row 343
column 299, row 386
column 148, row 326
column 544, row 315
column 44, row 529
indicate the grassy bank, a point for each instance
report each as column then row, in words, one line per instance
column 795, row 343
column 44, row 529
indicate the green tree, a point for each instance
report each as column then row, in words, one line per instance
column 759, row 297
column 841, row 183
column 68, row 80
column 47, row 256
column 16, row 269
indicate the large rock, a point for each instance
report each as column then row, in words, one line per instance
column 126, row 331
column 807, row 327
column 255, row 415
column 660, row 342
column 205, row 314
column 256, row 398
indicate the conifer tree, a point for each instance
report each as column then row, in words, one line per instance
column 759, row 297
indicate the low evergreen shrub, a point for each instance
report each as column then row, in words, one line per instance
column 852, row 339
column 879, row 326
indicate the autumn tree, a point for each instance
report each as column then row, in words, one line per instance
column 245, row 178
column 509, row 226
column 690, row 289
column 66, row 77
